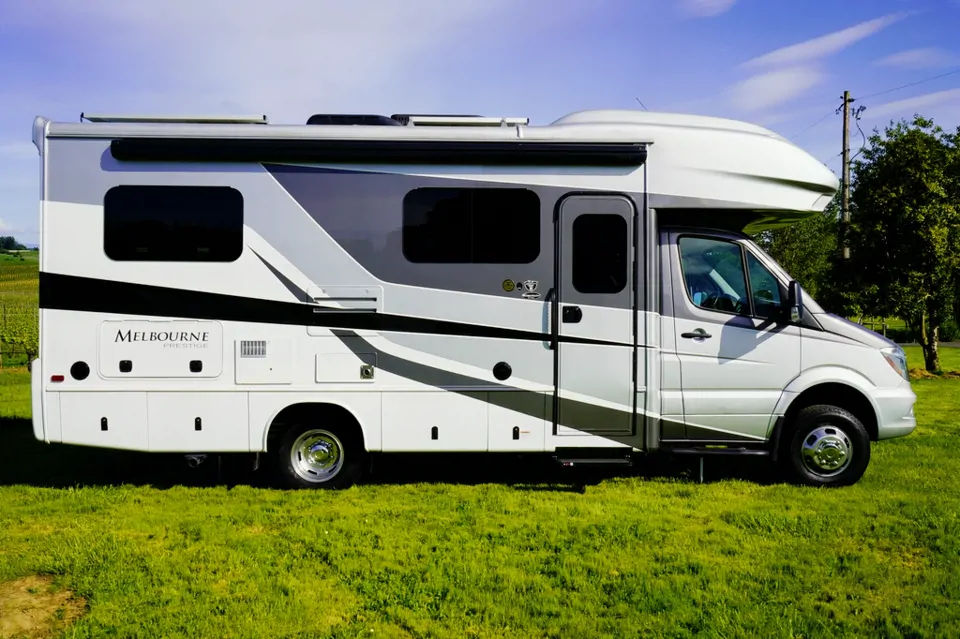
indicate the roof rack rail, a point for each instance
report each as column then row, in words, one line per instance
column 457, row 120
column 351, row 119
column 177, row 119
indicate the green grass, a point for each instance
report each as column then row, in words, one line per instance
column 448, row 550
column 19, row 280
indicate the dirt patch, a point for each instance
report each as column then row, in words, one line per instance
column 30, row 607
column 920, row 373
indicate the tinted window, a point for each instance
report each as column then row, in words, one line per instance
column 713, row 274
column 599, row 253
column 478, row 226
column 173, row 223
column 765, row 290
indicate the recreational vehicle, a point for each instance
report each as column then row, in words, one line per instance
column 315, row 293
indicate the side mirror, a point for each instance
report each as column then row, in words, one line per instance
column 795, row 297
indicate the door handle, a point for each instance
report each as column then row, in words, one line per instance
column 571, row 314
column 697, row 334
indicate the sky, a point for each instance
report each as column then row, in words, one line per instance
column 782, row 64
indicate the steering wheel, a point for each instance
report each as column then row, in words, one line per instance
column 723, row 302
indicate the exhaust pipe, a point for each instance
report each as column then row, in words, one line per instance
column 195, row 460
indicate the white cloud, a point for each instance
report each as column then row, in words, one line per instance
column 826, row 45
column 706, row 8
column 296, row 58
column 918, row 59
column 945, row 101
column 772, row 88
column 786, row 73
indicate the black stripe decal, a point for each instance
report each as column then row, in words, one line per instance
column 444, row 152
column 578, row 415
column 74, row 293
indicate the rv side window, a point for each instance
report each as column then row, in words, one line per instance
column 471, row 226
column 599, row 253
column 173, row 223
column 714, row 275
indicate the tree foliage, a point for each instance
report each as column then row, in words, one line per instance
column 805, row 249
column 10, row 243
column 905, row 228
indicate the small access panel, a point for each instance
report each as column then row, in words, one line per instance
column 595, row 324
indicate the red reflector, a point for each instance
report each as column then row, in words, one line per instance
column 56, row 378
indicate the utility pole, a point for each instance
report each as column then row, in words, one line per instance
column 845, row 184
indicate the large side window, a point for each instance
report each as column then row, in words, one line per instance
column 764, row 289
column 173, row 223
column 600, row 244
column 713, row 274
column 471, row 226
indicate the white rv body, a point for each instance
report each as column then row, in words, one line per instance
column 314, row 283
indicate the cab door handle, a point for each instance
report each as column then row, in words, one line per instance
column 697, row 334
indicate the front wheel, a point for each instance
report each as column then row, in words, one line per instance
column 826, row 446
column 312, row 456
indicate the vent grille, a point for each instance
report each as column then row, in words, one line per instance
column 257, row 348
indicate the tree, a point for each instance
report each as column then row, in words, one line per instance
column 10, row 243
column 804, row 249
column 905, row 228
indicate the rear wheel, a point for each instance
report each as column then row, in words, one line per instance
column 320, row 456
column 825, row 446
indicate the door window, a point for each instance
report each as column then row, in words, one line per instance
column 599, row 253
column 764, row 289
column 714, row 275
column 716, row 278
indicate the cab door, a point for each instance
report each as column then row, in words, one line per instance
column 736, row 347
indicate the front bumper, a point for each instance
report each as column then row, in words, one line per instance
column 895, row 416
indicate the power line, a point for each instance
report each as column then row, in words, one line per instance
column 873, row 95
column 912, row 84
column 812, row 125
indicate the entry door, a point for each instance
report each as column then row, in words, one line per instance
column 595, row 388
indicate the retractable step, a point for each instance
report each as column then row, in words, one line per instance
column 594, row 457
column 711, row 451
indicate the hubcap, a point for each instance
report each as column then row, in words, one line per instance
column 826, row 451
column 317, row 456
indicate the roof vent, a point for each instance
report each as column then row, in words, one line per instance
column 351, row 119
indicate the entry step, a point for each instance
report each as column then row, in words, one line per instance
column 729, row 451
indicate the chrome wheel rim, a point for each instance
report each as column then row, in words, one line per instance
column 316, row 456
column 826, row 451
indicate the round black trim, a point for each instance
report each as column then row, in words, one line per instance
column 79, row 370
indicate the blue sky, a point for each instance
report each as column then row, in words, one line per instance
column 779, row 63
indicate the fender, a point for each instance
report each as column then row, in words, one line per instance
column 371, row 440
column 824, row 375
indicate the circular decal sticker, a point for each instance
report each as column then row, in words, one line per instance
column 508, row 285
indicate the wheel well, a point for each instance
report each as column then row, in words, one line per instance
column 298, row 413
column 842, row 396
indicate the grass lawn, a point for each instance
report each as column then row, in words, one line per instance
column 449, row 549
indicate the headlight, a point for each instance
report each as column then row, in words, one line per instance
column 897, row 360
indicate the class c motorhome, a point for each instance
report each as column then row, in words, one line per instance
column 319, row 292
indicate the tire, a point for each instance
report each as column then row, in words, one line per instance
column 825, row 446
column 338, row 463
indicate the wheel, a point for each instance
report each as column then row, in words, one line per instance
column 314, row 456
column 825, row 446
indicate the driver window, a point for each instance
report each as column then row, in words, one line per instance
column 714, row 275
column 765, row 289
